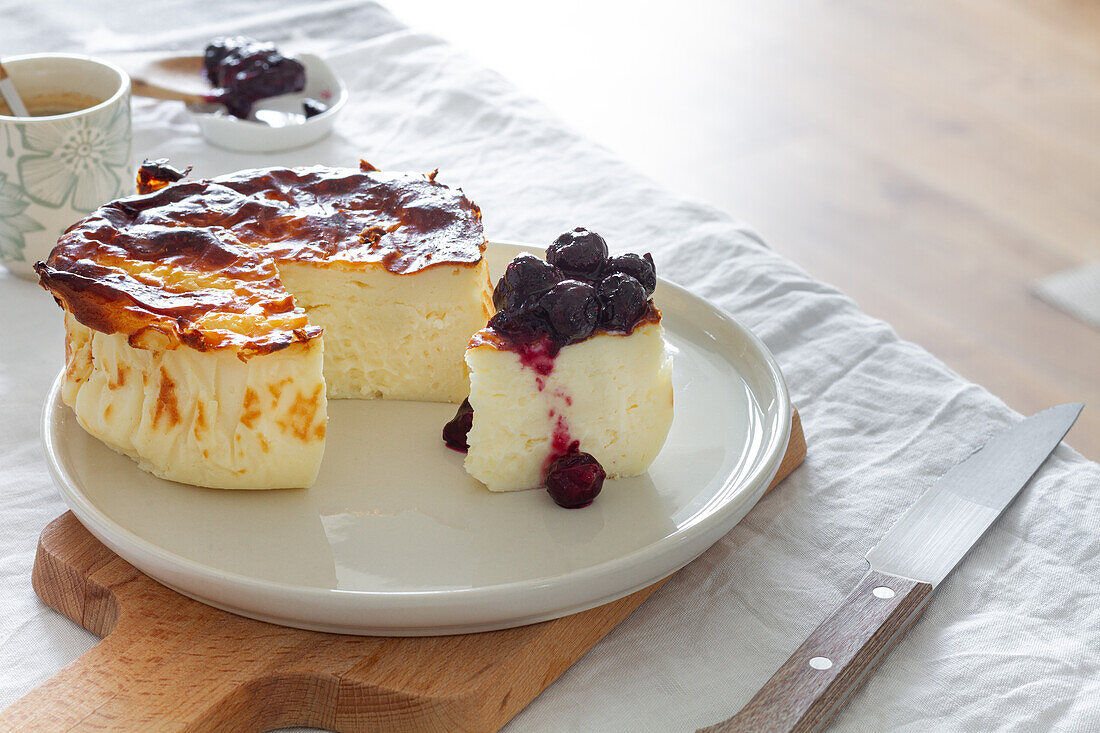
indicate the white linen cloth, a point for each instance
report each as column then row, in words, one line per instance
column 1010, row 641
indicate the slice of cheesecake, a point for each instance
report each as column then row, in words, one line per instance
column 574, row 361
column 207, row 322
column 609, row 396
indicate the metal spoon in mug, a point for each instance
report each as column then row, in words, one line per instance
column 11, row 95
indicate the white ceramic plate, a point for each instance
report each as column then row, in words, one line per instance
column 396, row 540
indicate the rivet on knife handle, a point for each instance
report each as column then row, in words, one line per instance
column 814, row 683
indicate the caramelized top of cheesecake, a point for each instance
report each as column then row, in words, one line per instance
column 196, row 262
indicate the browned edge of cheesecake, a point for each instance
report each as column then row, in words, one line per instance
column 196, row 261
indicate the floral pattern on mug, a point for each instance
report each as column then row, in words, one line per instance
column 77, row 157
column 14, row 223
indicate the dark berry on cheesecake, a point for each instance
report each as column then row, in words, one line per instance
column 516, row 325
column 574, row 480
column 572, row 310
column 641, row 269
column 622, row 301
column 526, row 277
column 580, row 254
column 455, row 432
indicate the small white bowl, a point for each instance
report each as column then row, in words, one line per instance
column 249, row 136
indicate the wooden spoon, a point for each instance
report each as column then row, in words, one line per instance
column 179, row 78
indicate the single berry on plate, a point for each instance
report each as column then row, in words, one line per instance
column 455, row 432
column 580, row 254
column 526, row 277
column 641, row 269
column 574, row 480
column 622, row 302
column 572, row 310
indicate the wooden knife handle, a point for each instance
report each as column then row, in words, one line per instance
column 815, row 683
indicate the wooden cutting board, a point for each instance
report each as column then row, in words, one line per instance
column 168, row 663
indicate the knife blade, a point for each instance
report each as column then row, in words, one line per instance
column 914, row 556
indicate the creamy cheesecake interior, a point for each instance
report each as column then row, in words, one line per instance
column 391, row 336
column 612, row 393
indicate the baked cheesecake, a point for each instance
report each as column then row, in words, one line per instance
column 574, row 361
column 208, row 321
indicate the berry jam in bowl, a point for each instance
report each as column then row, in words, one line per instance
column 280, row 122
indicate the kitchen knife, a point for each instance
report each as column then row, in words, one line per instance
column 918, row 552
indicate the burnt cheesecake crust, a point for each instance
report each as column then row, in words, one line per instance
column 209, row 321
column 196, row 261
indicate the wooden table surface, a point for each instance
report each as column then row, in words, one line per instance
column 931, row 159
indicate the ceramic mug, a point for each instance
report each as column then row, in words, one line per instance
column 56, row 169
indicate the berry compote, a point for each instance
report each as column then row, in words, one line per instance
column 244, row 71
column 575, row 292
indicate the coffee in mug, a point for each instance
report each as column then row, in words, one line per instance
column 53, row 103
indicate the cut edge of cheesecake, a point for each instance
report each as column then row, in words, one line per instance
column 611, row 393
